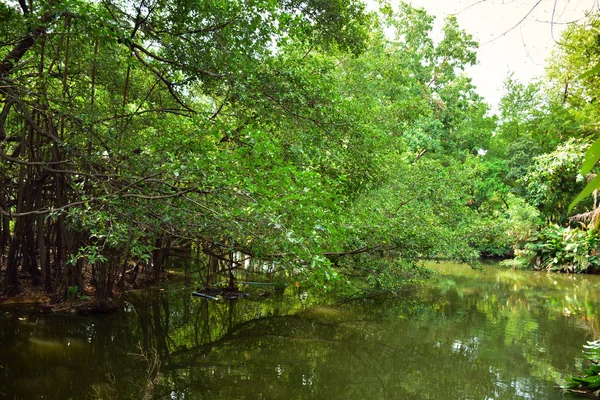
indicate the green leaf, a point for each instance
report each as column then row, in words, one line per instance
column 592, row 382
column 591, row 72
column 589, row 189
column 592, row 155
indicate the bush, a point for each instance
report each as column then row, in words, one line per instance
column 589, row 383
column 556, row 248
column 495, row 236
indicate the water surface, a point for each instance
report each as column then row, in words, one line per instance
column 466, row 334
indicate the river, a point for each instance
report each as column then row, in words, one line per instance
column 465, row 334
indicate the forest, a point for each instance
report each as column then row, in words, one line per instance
column 326, row 140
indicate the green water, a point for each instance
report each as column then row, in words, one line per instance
column 492, row 334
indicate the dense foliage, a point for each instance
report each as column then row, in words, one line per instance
column 295, row 132
column 309, row 135
column 551, row 123
column 555, row 248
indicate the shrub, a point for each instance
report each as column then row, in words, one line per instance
column 589, row 383
column 556, row 248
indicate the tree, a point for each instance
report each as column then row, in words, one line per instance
column 553, row 179
column 96, row 98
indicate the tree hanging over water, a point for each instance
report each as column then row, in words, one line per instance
column 289, row 131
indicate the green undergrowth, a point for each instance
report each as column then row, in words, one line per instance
column 555, row 248
column 589, row 383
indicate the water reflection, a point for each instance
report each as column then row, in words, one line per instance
column 467, row 334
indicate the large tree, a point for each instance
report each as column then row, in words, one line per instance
column 128, row 124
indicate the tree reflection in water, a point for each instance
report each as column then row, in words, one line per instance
column 467, row 334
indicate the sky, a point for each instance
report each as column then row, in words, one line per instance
column 515, row 35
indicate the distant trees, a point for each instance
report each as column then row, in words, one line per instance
column 545, row 130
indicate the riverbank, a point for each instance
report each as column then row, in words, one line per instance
column 36, row 298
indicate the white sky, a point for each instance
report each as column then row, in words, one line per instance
column 523, row 50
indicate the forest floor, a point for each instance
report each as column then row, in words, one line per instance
column 36, row 298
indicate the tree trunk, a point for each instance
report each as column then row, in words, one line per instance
column 11, row 283
column 44, row 264
column 4, row 227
